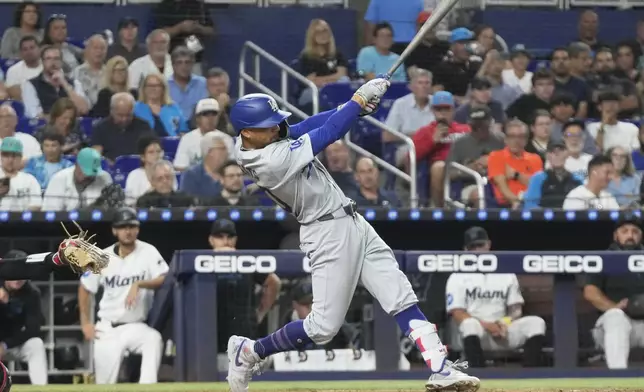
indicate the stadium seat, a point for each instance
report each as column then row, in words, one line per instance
column 170, row 145
column 123, row 165
column 5, row 64
column 30, row 125
column 87, row 125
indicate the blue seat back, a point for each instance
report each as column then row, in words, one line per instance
column 170, row 145
column 123, row 165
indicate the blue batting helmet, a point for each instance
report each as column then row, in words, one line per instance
column 256, row 111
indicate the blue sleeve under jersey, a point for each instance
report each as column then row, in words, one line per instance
column 336, row 126
column 310, row 124
column 532, row 195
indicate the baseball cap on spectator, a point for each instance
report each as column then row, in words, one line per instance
column 423, row 16
column 128, row 21
column 11, row 144
column 628, row 219
column 442, row 99
column 608, row 96
column 480, row 84
column 89, row 161
column 303, row 293
column 460, row 34
column 207, row 105
column 480, row 113
column 475, row 236
column 556, row 144
column 208, row 141
column 223, row 226
column 519, row 49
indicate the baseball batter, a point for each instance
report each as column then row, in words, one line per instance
column 488, row 311
column 341, row 247
column 136, row 268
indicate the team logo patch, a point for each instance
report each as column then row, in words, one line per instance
column 296, row 144
column 273, row 104
column 450, row 299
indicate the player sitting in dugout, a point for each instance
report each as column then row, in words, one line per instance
column 620, row 299
column 487, row 308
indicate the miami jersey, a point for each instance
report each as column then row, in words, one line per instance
column 289, row 173
column 144, row 263
column 484, row 296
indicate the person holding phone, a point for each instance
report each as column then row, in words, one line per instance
column 434, row 141
column 19, row 191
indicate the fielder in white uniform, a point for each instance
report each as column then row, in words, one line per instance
column 488, row 311
column 341, row 247
column 136, row 268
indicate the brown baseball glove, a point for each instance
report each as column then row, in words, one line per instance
column 80, row 254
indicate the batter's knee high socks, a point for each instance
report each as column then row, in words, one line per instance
column 533, row 351
column 290, row 337
column 473, row 351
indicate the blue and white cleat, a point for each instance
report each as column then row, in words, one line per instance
column 451, row 378
column 243, row 363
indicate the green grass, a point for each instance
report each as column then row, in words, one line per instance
column 553, row 385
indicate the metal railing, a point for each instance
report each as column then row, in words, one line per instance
column 259, row 54
column 255, row 81
column 480, row 184
column 411, row 178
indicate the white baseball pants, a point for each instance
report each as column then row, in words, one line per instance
column 33, row 352
column 519, row 331
column 342, row 252
column 616, row 333
column 113, row 343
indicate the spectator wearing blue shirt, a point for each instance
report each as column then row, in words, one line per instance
column 203, row 180
column 624, row 183
column 369, row 193
column 43, row 167
column 157, row 109
column 400, row 14
column 186, row 88
column 378, row 58
column 548, row 189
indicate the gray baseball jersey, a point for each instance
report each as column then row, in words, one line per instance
column 290, row 174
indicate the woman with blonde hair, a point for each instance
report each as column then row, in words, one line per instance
column 63, row 120
column 625, row 182
column 156, row 107
column 115, row 80
column 320, row 60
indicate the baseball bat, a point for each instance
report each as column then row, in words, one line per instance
column 438, row 14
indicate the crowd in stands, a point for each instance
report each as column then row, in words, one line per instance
column 160, row 135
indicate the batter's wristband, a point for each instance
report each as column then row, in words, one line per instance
column 362, row 103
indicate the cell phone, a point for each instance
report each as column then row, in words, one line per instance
column 5, row 181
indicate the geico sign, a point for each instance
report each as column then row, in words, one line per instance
column 458, row 263
column 636, row 263
column 553, row 264
column 242, row 264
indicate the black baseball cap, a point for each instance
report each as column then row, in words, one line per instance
column 303, row 293
column 628, row 219
column 480, row 84
column 556, row 144
column 480, row 113
column 519, row 49
column 475, row 236
column 127, row 21
column 223, row 226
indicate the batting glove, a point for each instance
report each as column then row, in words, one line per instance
column 371, row 92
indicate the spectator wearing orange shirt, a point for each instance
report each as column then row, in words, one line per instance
column 510, row 169
column 434, row 141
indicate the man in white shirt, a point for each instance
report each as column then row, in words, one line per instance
column 593, row 194
column 8, row 122
column 135, row 270
column 28, row 68
column 156, row 61
column 77, row 186
column 488, row 311
column 19, row 191
column 519, row 75
column 207, row 115
column 412, row 111
column 575, row 139
column 609, row 132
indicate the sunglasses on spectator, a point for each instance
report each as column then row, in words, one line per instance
column 57, row 17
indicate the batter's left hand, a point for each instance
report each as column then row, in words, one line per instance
column 132, row 295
